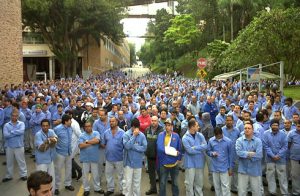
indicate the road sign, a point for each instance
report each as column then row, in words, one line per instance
column 201, row 73
column 201, row 63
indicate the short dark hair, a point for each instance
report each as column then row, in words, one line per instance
column 65, row 118
column 218, row 131
column 135, row 123
column 229, row 116
column 259, row 117
column 38, row 178
column 222, row 107
column 192, row 123
column 69, row 112
column 16, row 105
column 289, row 99
column 45, row 120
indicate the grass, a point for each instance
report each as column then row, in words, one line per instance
column 293, row 92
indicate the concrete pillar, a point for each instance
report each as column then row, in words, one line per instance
column 50, row 68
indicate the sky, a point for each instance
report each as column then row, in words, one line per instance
column 138, row 26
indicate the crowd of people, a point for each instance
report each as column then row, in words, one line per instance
column 117, row 126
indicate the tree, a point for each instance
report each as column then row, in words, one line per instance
column 132, row 54
column 66, row 24
column 273, row 36
column 183, row 31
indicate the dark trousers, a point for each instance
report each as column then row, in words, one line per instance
column 152, row 173
column 76, row 169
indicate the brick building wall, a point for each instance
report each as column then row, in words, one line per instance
column 11, row 57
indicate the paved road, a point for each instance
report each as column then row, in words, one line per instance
column 17, row 187
column 136, row 72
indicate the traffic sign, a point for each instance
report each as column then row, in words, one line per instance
column 201, row 63
column 201, row 73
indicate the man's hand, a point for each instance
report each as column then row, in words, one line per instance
column 251, row 154
column 276, row 158
column 230, row 172
column 215, row 154
column 136, row 131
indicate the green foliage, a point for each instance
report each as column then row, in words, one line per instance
column 132, row 53
column 65, row 23
column 273, row 36
column 183, row 30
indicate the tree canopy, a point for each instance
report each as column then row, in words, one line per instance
column 66, row 24
column 231, row 34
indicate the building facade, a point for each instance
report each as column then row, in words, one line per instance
column 96, row 58
column 11, row 63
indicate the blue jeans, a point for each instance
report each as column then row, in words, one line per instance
column 163, row 177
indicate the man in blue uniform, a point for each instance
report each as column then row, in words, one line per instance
column 64, row 151
column 13, row 133
column 135, row 144
column 89, row 156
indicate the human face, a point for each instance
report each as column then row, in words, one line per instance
column 277, row 116
column 121, row 115
column 219, row 136
column 14, row 117
column 287, row 124
column 275, row 127
column 248, row 130
column 113, row 123
column 154, row 121
column 45, row 127
column 102, row 116
column 246, row 116
column 229, row 122
column 168, row 127
column 163, row 115
column 45, row 190
column 222, row 111
column 68, row 123
column 295, row 118
column 144, row 112
column 88, row 127
column 95, row 113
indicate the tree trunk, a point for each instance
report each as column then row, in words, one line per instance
column 231, row 20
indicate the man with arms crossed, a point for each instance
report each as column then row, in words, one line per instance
column 249, row 152
column 195, row 146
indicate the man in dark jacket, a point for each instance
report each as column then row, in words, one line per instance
column 151, row 135
column 77, row 112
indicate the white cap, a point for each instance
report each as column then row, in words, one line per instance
column 89, row 104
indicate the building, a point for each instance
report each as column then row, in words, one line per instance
column 96, row 58
column 11, row 43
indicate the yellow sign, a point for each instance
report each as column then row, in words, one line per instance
column 201, row 73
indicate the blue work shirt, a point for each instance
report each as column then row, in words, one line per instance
column 195, row 149
column 47, row 115
column 134, row 148
column 35, row 121
column 220, row 120
column 294, row 143
column 113, row 145
column 259, row 129
column 27, row 113
column 249, row 166
column 289, row 111
column 64, row 134
column 233, row 134
column 275, row 144
column 47, row 156
column 101, row 127
column 1, row 117
column 90, row 153
column 7, row 113
column 224, row 161
column 14, row 134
